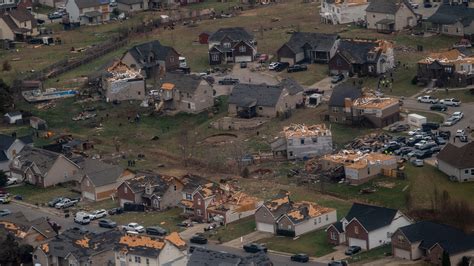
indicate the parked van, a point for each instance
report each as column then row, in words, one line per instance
column 82, row 218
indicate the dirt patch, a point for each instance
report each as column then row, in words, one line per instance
column 386, row 184
column 219, row 139
column 252, row 13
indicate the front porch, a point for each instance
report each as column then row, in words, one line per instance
column 385, row 26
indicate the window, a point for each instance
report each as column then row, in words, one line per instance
column 215, row 57
column 87, row 182
column 335, row 110
column 199, row 202
column 327, row 217
column 302, row 141
column 400, row 238
column 174, row 188
column 138, row 259
column 139, row 93
column 389, row 235
column 171, row 59
column 289, row 227
column 472, row 171
column 260, row 108
column 315, row 140
column 35, row 257
column 291, row 154
column 198, row 212
column 141, row 5
column 227, row 45
column 319, row 219
column 290, row 142
column 189, row 106
column 125, row 190
column 466, row 171
column 356, row 230
column 243, row 49
column 147, row 261
column 189, row 196
column 315, row 222
column 338, row 62
column 131, row 7
column 333, row 235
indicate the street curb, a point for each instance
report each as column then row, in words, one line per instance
column 32, row 206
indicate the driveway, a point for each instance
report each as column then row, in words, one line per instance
column 336, row 255
column 246, row 239
column 390, row 262
column 190, row 231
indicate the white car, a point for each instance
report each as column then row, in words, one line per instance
column 414, row 132
column 273, row 65
column 98, row 214
column 450, row 121
column 427, row 99
column 134, row 227
column 458, row 115
column 154, row 93
column 450, row 102
column 12, row 181
column 460, row 132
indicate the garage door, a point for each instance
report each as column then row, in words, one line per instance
column 239, row 59
column 263, row 227
column 287, row 60
column 88, row 195
column 123, row 201
column 401, row 253
column 358, row 242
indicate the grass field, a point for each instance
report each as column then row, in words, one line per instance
column 233, row 230
column 370, row 255
column 166, row 219
column 36, row 195
column 464, row 95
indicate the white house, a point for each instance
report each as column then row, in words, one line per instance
column 13, row 117
column 457, row 162
column 88, row 11
column 367, row 226
column 9, row 148
column 343, row 11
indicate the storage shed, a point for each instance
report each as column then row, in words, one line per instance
column 416, row 120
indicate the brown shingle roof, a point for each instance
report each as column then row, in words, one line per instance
column 459, row 157
column 21, row 15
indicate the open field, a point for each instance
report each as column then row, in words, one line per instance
column 35, row 195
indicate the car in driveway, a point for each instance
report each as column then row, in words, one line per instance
column 255, row 247
column 338, row 263
column 440, row 141
column 438, row 107
column 107, row 223
column 450, row 121
column 156, row 231
column 272, row 65
column 460, row 133
column 297, row 68
column 301, row 257
column 281, row 66
column 418, row 163
column 54, row 201
column 98, row 214
column 337, row 78
column 12, row 181
column 133, row 227
column 198, row 239
column 458, row 115
column 352, row 250
column 427, row 99
column 5, row 212
column 228, row 81
column 4, row 199
column 243, row 64
column 450, row 102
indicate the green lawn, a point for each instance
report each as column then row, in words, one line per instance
column 166, row 219
column 104, row 204
column 233, row 230
column 218, row 6
column 370, row 255
column 313, row 243
column 315, row 73
column 430, row 117
column 464, row 95
column 36, row 195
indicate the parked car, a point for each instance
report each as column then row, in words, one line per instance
column 281, row 66
column 98, row 214
column 427, row 99
column 352, row 250
column 423, row 154
column 460, row 133
column 337, row 78
column 429, row 126
column 418, row 162
column 107, row 223
column 198, row 239
column 440, row 141
column 255, row 247
column 458, row 115
column 133, row 227
column 5, row 212
column 450, row 121
column 413, row 5
column 463, row 138
column 436, row 149
column 414, row 132
column 450, row 102
column 54, row 201
column 272, row 65
column 444, row 134
column 66, row 203
column 297, row 68
column 156, row 231
column 337, row 263
column 82, row 218
column 55, row 15
column 399, row 128
column 403, row 151
column 4, row 199
column 438, row 107
column 11, row 181
column 427, row 146
column 243, row 64
column 391, row 146
column 301, row 257
column 228, row 81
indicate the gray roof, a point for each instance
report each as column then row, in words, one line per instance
column 129, row 2
column 235, row 34
column 141, row 51
column 182, row 82
column 90, row 3
column 291, row 85
column 459, row 157
column 10, row 114
column 100, row 173
column 206, row 257
column 317, row 41
column 452, row 240
column 255, row 94
column 43, row 159
column 371, row 217
column 387, row 6
column 192, row 182
column 343, row 91
column 6, row 142
column 158, row 183
column 356, row 52
column 448, row 15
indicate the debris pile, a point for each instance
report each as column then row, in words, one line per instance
column 374, row 141
column 301, row 130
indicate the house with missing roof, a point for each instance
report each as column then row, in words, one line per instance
column 30, row 232
column 231, row 45
column 250, row 100
column 367, row 226
column 129, row 6
column 455, row 20
column 359, row 167
column 132, row 250
column 191, row 185
column 428, row 241
column 122, row 83
column 43, row 168
column 343, row 11
column 151, row 57
column 78, row 246
column 205, row 257
column 185, row 93
column 9, row 147
column 387, row 16
column 17, row 25
column 362, row 58
column 85, row 12
column 155, row 191
column 457, row 162
column 281, row 216
column 299, row 141
column 309, row 47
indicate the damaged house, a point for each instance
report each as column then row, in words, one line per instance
column 362, row 58
column 348, row 104
column 121, row 83
column 17, row 25
column 250, row 100
column 10, row 146
column 282, row 216
column 302, row 142
column 359, row 167
column 310, row 47
column 185, row 93
column 343, row 11
column 231, row 45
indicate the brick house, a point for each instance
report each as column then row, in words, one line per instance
column 191, row 185
column 366, row 226
column 387, row 16
column 310, row 47
column 457, row 162
column 231, row 45
column 204, row 37
column 428, row 240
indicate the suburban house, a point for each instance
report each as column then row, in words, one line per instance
column 343, row 11
column 131, row 250
column 359, row 167
column 428, row 241
column 13, row 117
column 43, row 168
column 231, row 45
column 38, row 123
column 8, row 5
column 455, row 20
column 153, row 190
column 205, row 256
column 129, row 6
column 348, row 105
column 250, row 100
column 457, row 162
column 9, row 148
column 303, row 142
column 88, row 11
column 310, row 47
column 282, row 216
column 191, row 185
column 366, row 226
column 31, row 232
column 152, row 58
column 362, row 58
column 185, row 93
column 77, row 246
column 447, row 68
column 17, row 25
column 99, row 180
column 122, row 83
column 387, row 16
